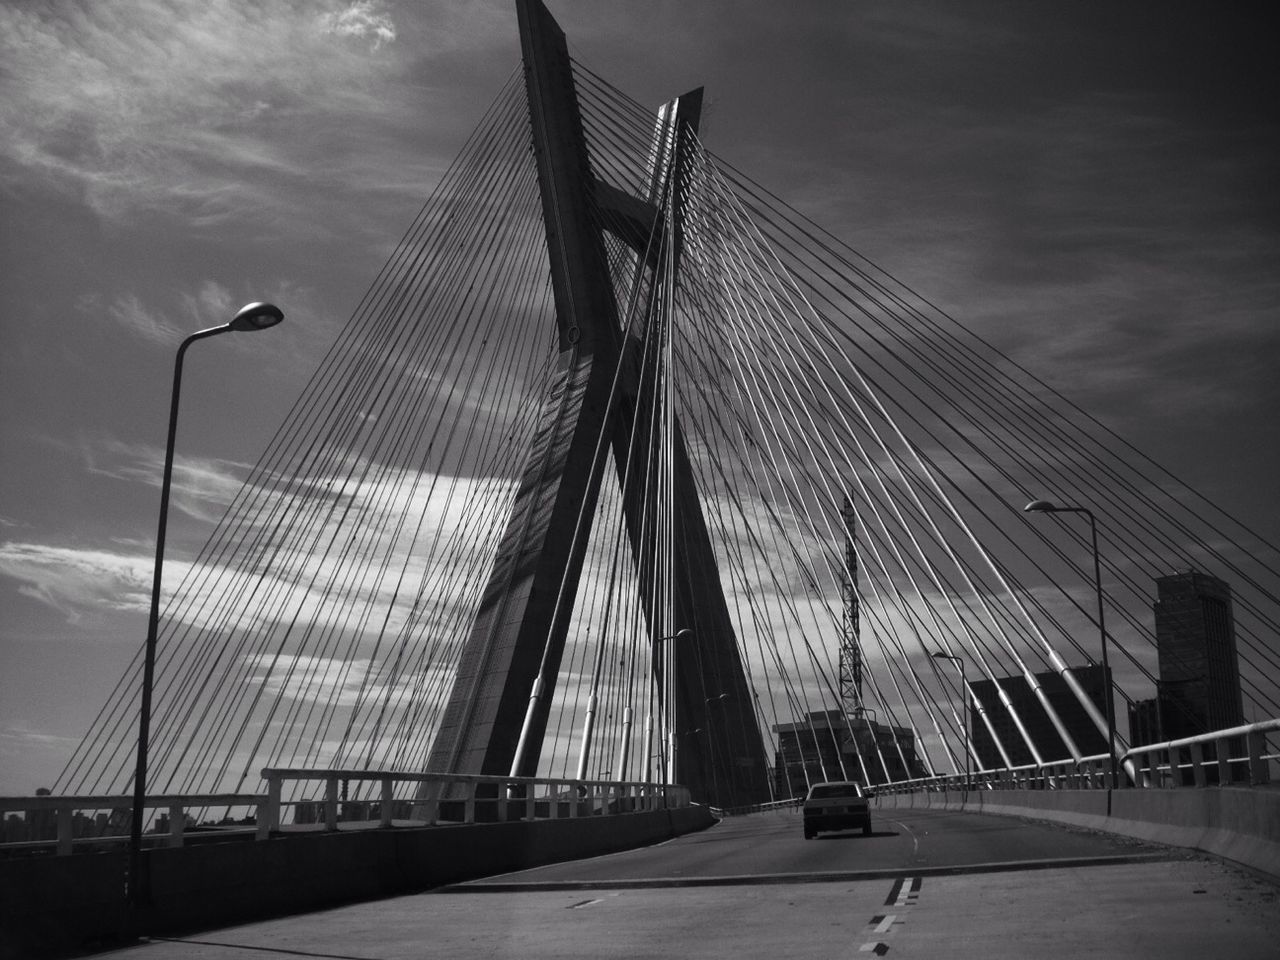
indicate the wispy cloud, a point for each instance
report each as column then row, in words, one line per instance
column 193, row 107
column 130, row 313
column 75, row 580
column 19, row 737
column 201, row 486
column 364, row 19
column 208, row 305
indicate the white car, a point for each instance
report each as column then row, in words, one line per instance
column 838, row 805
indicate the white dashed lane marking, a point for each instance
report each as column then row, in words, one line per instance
column 904, row 893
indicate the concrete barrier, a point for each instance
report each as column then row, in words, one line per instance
column 1237, row 823
column 58, row 905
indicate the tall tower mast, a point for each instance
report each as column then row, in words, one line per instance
column 850, row 646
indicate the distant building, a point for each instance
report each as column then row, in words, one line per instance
column 42, row 824
column 1040, row 728
column 1199, row 686
column 830, row 745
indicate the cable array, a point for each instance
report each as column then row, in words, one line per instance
column 321, row 624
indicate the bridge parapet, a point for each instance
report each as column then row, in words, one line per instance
column 1238, row 755
column 438, row 798
column 1235, row 755
column 66, row 823
column 1218, row 808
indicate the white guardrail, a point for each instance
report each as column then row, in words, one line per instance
column 336, row 800
column 1238, row 755
column 65, row 823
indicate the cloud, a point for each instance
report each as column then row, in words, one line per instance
column 200, row 108
column 209, row 305
column 332, row 681
column 75, row 581
column 364, row 19
column 128, row 311
column 201, row 486
column 21, row 736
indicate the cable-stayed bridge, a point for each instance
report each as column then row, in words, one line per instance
column 623, row 472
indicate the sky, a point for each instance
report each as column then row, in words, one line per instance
column 1091, row 186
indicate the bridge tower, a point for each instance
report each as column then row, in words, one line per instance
column 497, row 711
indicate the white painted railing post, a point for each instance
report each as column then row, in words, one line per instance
column 269, row 819
column 388, row 800
column 331, row 803
column 1197, row 764
column 469, row 808
column 428, row 802
column 1223, row 748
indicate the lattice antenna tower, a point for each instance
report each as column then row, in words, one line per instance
column 850, row 646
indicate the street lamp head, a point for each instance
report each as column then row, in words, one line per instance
column 683, row 634
column 256, row 316
column 1039, row 506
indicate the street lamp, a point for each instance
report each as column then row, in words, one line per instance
column 669, row 696
column 964, row 694
column 253, row 316
column 1044, row 506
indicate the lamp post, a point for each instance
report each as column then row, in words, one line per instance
column 669, row 696
column 1044, row 506
column 254, row 316
column 964, row 704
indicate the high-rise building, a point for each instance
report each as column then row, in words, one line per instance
column 1199, row 686
column 1089, row 740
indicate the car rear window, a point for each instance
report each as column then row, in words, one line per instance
column 825, row 790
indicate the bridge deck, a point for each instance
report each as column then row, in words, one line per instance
column 1135, row 900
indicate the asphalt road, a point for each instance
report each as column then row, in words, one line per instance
column 926, row 884
column 773, row 846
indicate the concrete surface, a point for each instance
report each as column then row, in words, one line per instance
column 1239, row 823
column 56, row 905
column 928, row 883
column 771, row 846
column 1185, row 909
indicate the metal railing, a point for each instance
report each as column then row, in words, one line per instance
column 382, row 799
column 786, row 804
column 437, row 798
column 1235, row 755
column 52, row 822
column 1238, row 755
